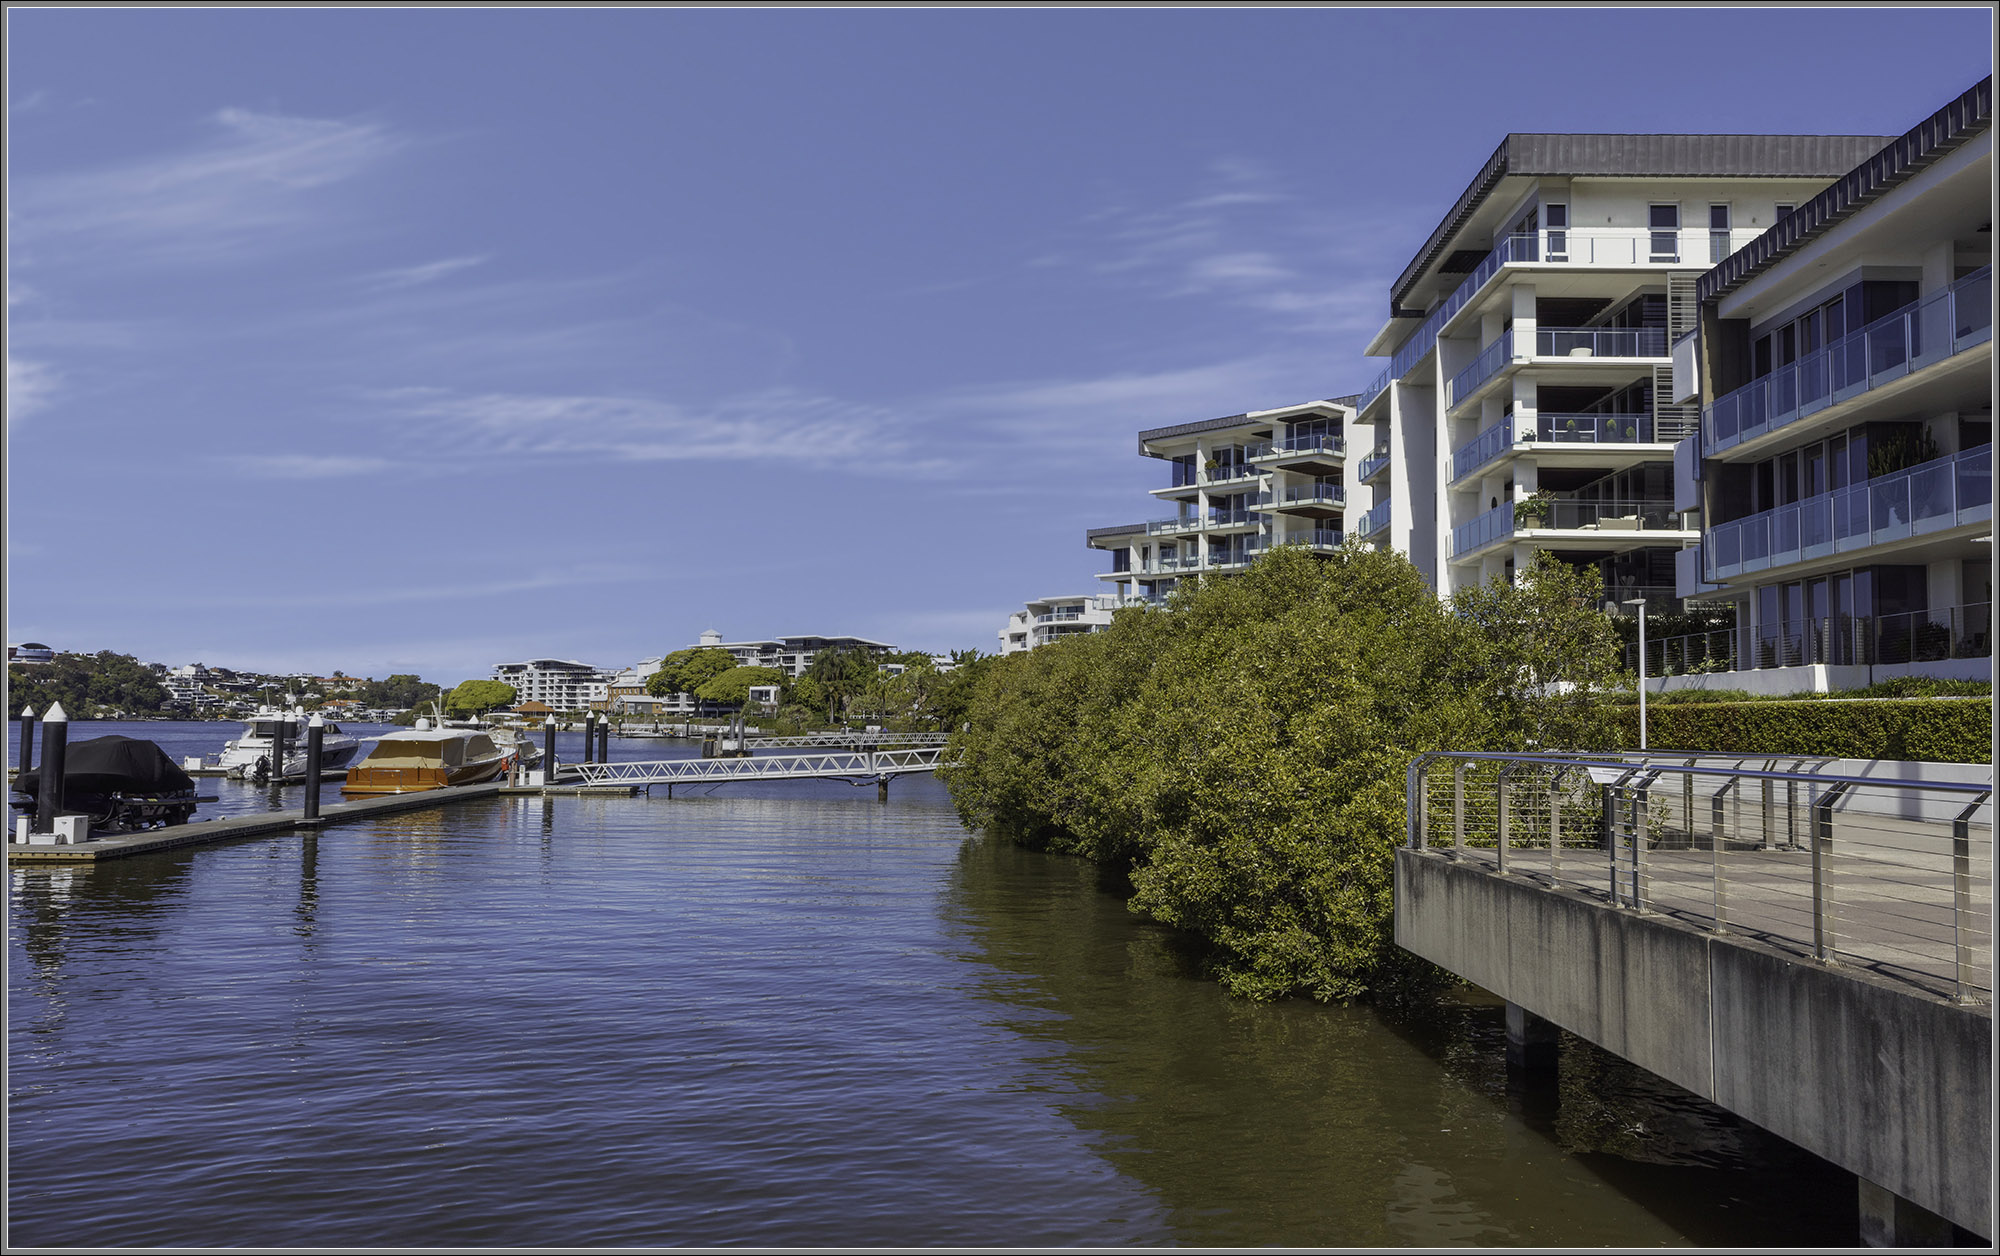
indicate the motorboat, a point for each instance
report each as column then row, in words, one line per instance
column 424, row 758
column 518, row 747
column 242, row 755
column 124, row 784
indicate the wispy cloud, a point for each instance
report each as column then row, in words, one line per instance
column 413, row 276
column 307, row 466
column 258, row 176
column 30, row 387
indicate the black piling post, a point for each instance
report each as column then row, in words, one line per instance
column 55, row 754
column 278, row 750
column 27, row 739
column 589, row 736
column 315, row 736
column 604, row 740
column 549, row 750
column 881, row 789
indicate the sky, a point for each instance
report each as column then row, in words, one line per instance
column 409, row 340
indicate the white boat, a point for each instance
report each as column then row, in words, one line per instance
column 517, row 746
column 241, row 755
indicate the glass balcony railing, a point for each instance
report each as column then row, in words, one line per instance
column 1943, row 493
column 1377, row 459
column 1601, row 342
column 1230, row 518
column 1561, row 429
column 1229, row 473
column 1375, row 520
column 1301, row 495
column 1918, row 335
column 1565, row 515
column 1171, row 527
column 1609, row 246
column 1294, row 446
column 1482, row 448
column 1483, row 368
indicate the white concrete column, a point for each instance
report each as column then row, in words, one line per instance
column 1526, row 406
column 1524, row 319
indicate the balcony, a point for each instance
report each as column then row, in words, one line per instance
column 1174, row 526
column 1928, row 636
column 1375, row 463
column 1300, row 453
column 1221, row 519
column 1229, row 473
column 1920, row 334
column 1483, row 368
column 1610, row 520
column 1567, row 429
column 1312, row 500
column 1944, row 493
column 1600, row 342
column 1376, row 520
column 1590, row 247
column 1482, row 449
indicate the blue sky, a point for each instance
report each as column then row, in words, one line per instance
column 394, row 340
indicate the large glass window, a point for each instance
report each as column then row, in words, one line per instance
column 1665, row 221
column 1556, row 219
column 1718, row 233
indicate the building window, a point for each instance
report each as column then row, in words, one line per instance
column 1556, row 219
column 1718, row 233
column 1665, row 221
column 1781, row 211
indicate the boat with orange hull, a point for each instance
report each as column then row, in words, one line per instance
column 426, row 758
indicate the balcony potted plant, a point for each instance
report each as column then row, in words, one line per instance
column 1531, row 511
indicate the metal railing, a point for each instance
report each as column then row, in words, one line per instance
column 1229, row 473
column 1920, row 334
column 1294, row 446
column 1375, row 520
column 1838, row 860
column 1563, row 514
column 863, row 763
column 847, row 737
column 1301, row 495
column 1927, row 636
column 1484, row 367
column 1601, row 342
column 1942, row 493
column 1170, row 527
column 1587, row 246
column 1482, row 449
column 1584, row 429
column 1377, row 459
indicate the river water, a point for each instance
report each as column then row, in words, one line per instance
column 777, row 1014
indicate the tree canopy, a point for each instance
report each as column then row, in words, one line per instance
column 479, row 696
column 686, row 671
column 87, row 685
column 1242, row 753
column 733, row 686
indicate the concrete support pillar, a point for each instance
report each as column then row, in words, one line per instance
column 1526, row 404
column 1524, row 319
column 1889, row 1220
column 1531, row 1042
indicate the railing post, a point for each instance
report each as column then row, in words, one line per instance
column 1641, row 801
column 1822, row 855
column 1501, row 818
column 1555, row 828
column 1458, row 809
column 1718, row 838
column 1961, row 895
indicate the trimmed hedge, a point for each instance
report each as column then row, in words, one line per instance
column 1932, row 730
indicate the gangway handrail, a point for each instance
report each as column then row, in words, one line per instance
column 1881, row 871
column 873, row 764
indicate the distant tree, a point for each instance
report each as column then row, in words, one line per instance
column 686, row 671
column 733, row 686
column 400, row 692
column 475, row 697
column 87, row 685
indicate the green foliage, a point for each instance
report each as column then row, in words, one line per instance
column 1944, row 730
column 686, row 671
column 479, row 696
column 400, row 692
column 1243, row 752
column 733, row 686
column 87, row 685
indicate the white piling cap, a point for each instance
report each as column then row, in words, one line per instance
column 315, row 721
column 55, row 714
column 549, row 722
column 27, row 713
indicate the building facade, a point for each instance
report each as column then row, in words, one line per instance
column 1239, row 486
column 1053, row 618
column 1528, row 403
column 791, row 655
column 1843, row 470
column 561, row 684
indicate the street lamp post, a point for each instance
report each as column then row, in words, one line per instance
column 1638, row 605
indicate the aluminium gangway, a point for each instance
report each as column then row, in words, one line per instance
column 857, row 767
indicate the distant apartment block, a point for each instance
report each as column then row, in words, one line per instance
column 791, row 655
column 1528, row 403
column 1052, row 618
column 1238, row 486
column 561, row 684
column 30, row 652
column 1843, row 470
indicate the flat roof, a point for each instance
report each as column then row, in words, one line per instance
column 1543, row 155
column 1240, row 420
column 1123, row 529
column 1895, row 162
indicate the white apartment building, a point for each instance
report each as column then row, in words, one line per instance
column 1528, row 403
column 1843, row 470
column 563, row 684
column 1053, row 618
column 1239, row 485
column 792, row 655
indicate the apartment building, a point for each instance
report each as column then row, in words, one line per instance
column 791, row 655
column 1528, row 404
column 1238, row 486
column 1053, row 618
column 561, row 684
column 1843, row 470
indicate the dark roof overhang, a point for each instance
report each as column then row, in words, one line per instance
column 1897, row 162
column 1123, row 529
column 1634, row 156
